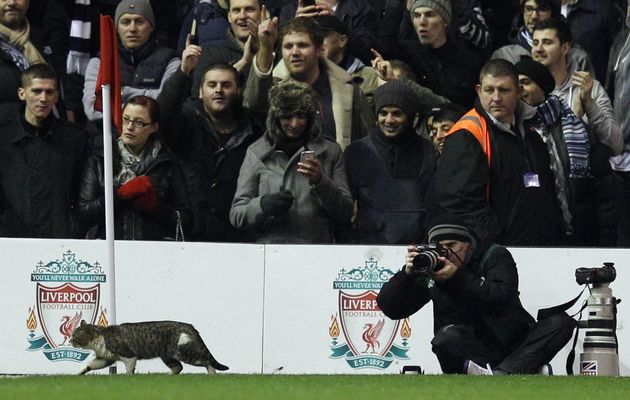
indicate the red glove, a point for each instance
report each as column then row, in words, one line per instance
column 136, row 187
column 145, row 202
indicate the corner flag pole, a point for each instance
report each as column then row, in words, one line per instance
column 110, row 256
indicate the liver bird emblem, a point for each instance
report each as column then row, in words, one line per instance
column 68, row 324
column 370, row 335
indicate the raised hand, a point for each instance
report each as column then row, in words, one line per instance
column 267, row 30
column 311, row 168
column 382, row 66
column 267, row 36
column 313, row 10
column 584, row 81
column 190, row 56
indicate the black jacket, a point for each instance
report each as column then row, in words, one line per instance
column 38, row 176
column 395, row 190
column 513, row 214
column 131, row 224
column 450, row 71
column 144, row 67
column 211, row 163
column 487, row 299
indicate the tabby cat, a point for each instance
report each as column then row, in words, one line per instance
column 171, row 341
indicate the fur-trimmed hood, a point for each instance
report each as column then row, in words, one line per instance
column 288, row 97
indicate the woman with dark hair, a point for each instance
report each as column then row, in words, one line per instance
column 150, row 196
column 292, row 186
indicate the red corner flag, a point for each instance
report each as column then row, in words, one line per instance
column 109, row 71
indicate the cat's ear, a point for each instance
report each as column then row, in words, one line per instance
column 82, row 322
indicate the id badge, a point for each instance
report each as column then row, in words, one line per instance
column 530, row 179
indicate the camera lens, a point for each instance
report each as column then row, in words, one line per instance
column 426, row 262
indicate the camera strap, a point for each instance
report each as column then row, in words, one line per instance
column 544, row 313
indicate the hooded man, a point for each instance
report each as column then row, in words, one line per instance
column 392, row 192
column 477, row 313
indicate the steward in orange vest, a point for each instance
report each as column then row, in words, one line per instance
column 500, row 181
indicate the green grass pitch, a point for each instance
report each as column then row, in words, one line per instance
column 312, row 387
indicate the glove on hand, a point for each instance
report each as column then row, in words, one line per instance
column 146, row 202
column 136, row 187
column 274, row 204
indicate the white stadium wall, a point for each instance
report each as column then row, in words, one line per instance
column 260, row 309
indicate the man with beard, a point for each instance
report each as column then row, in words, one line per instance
column 210, row 133
column 392, row 191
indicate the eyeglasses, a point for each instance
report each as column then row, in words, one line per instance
column 529, row 10
column 134, row 123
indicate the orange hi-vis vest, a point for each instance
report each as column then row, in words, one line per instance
column 476, row 124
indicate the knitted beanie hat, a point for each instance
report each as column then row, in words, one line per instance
column 442, row 7
column 449, row 227
column 537, row 73
column 140, row 7
column 398, row 94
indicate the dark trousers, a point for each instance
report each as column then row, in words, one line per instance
column 453, row 344
column 622, row 200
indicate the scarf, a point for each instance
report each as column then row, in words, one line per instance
column 80, row 35
column 526, row 38
column 17, row 45
column 132, row 165
column 575, row 135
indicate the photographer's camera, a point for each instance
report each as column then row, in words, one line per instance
column 427, row 259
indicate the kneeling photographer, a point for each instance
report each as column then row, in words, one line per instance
column 480, row 326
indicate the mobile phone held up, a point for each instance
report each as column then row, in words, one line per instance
column 306, row 3
column 307, row 155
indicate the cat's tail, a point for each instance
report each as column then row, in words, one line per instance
column 217, row 365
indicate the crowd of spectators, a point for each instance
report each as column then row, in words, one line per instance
column 326, row 121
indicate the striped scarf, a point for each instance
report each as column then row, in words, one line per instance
column 80, row 34
column 575, row 135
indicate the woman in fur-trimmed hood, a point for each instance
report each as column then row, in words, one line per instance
column 281, row 197
column 292, row 97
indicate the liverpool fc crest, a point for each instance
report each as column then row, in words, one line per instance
column 370, row 337
column 66, row 292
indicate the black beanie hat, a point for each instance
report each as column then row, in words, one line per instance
column 537, row 73
column 397, row 93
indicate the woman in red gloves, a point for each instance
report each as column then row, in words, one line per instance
column 150, row 194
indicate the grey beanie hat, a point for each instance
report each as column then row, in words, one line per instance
column 447, row 226
column 442, row 7
column 140, row 7
column 398, row 94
